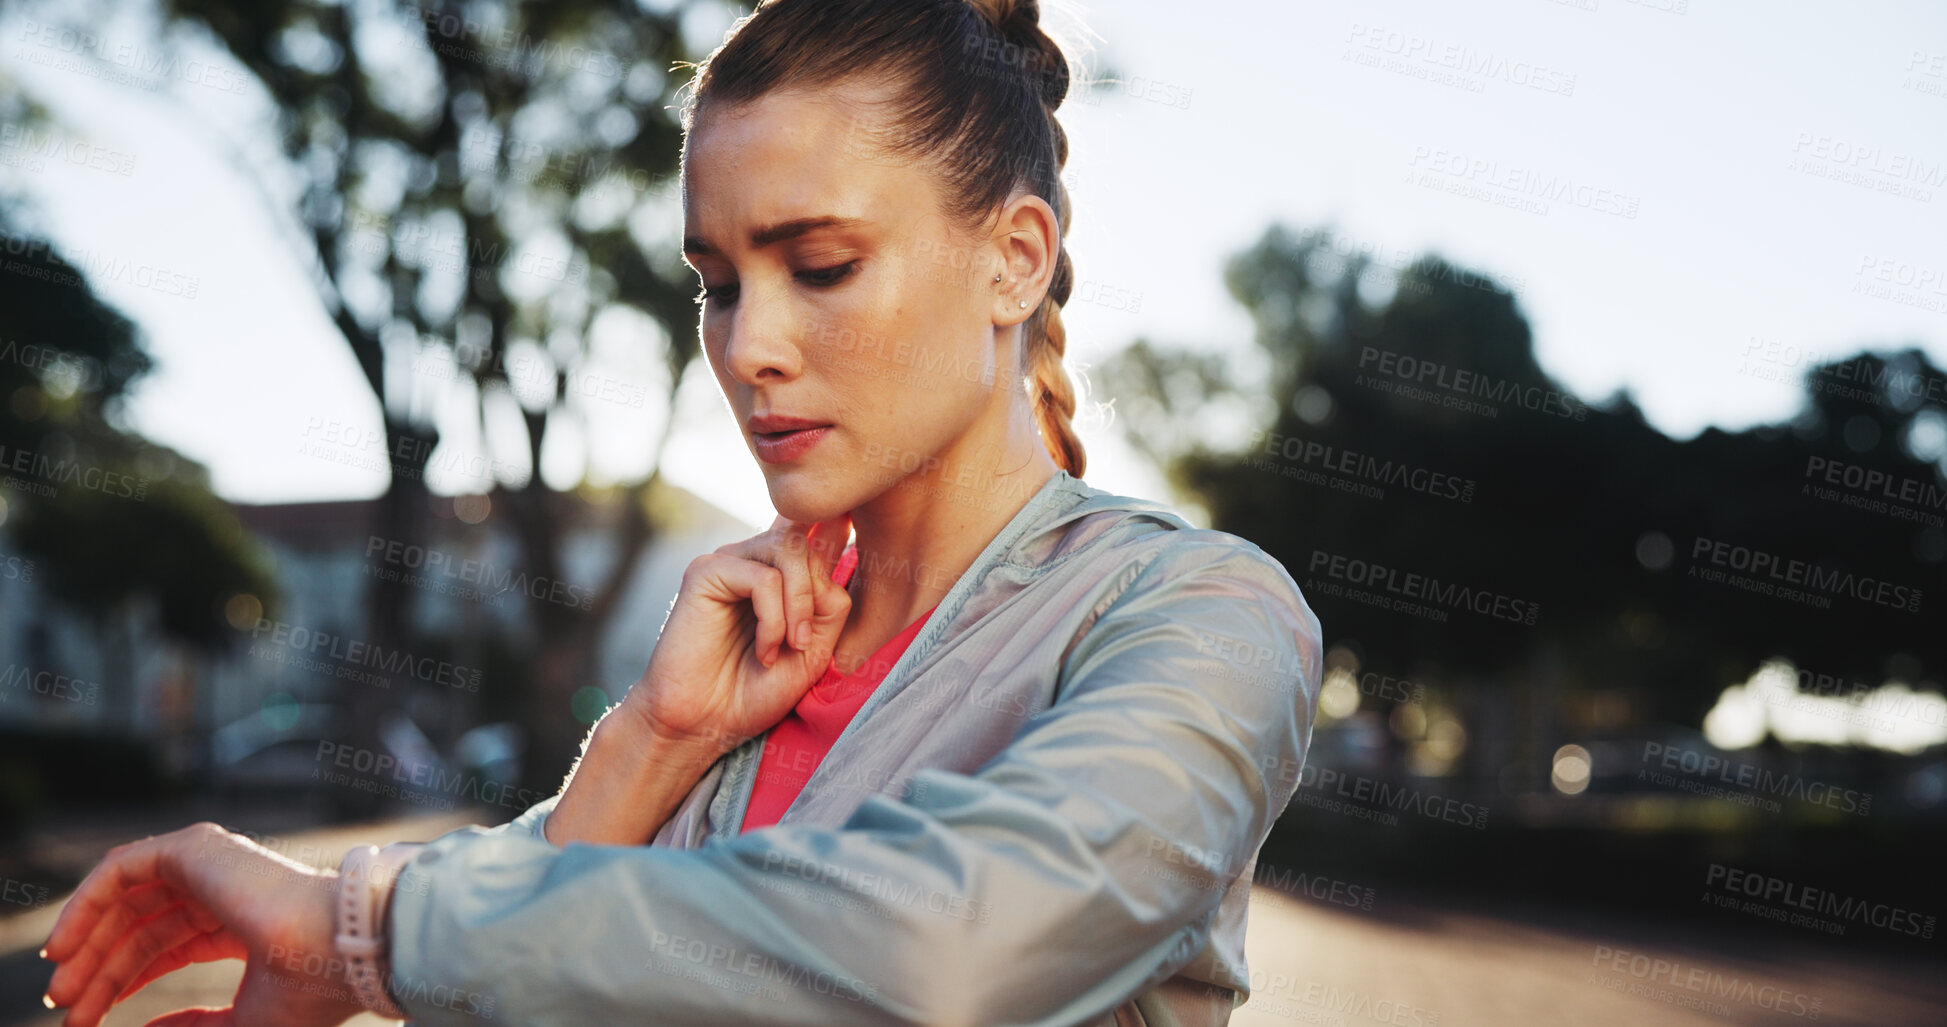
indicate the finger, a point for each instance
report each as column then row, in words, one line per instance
column 828, row 540
column 729, row 579
column 125, row 868
column 792, row 558
column 834, row 608
column 197, row 1018
column 135, row 905
column 744, row 548
column 834, row 602
column 758, row 547
column 204, row 948
column 784, row 546
column 137, row 949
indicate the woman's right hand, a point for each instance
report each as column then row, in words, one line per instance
column 752, row 629
column 194, row 896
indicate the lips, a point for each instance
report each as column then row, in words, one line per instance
column 777, row 424
column 780, row 439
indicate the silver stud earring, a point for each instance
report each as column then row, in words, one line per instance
column 997, row 279
column 1024, row 304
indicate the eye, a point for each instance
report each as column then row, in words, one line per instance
column 826, row 276
column 823, row 277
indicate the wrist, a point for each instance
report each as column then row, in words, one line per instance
column 362, row 909
column 322, row 895
column 634, row 729
column 630, row 778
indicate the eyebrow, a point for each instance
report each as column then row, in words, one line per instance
column 779, row 232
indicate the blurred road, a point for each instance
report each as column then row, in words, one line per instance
column 1423, row 962
column 1411, row 961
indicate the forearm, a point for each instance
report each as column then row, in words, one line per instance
column 628, row 782
column 974, row 905
column 1041, row 891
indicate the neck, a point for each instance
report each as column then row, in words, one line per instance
column 917, row 537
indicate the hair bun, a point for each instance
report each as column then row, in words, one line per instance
column 1011, row 16
column 1019, row 22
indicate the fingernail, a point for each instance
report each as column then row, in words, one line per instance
column 43, row 952
column 801, row 636
column 48, row 1001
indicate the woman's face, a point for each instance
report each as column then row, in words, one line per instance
column 840, row 302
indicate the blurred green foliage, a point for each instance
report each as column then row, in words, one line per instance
column 1587, row 511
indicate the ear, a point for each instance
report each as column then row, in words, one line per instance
column 1026, row 241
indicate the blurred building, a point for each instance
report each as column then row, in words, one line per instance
column 113, row 673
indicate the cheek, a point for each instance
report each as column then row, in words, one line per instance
column 712, row 346
column 911, row 415
column 956, row 371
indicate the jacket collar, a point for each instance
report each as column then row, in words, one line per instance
column 1034, row 540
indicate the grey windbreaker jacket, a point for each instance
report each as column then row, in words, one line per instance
column 1048, row 813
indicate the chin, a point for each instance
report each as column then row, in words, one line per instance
column 807, row 498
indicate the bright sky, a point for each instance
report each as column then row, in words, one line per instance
column 1785, row 166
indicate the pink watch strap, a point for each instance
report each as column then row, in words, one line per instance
column 364, row 898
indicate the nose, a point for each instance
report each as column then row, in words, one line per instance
column 762, row 346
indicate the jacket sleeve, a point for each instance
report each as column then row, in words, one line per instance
column 1078, row 867
column 531, row 821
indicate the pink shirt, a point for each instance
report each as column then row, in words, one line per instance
column 799, row 742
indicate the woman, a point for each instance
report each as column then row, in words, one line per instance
column 1007, row 760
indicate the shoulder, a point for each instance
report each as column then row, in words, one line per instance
column 1211, row 589
column 1207, row 624
column 1155, row 545
column 1201, row 566
column 1081, row 519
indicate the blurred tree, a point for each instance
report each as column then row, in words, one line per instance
column 1422, row 383
column 106, row 514
column 480, row 184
